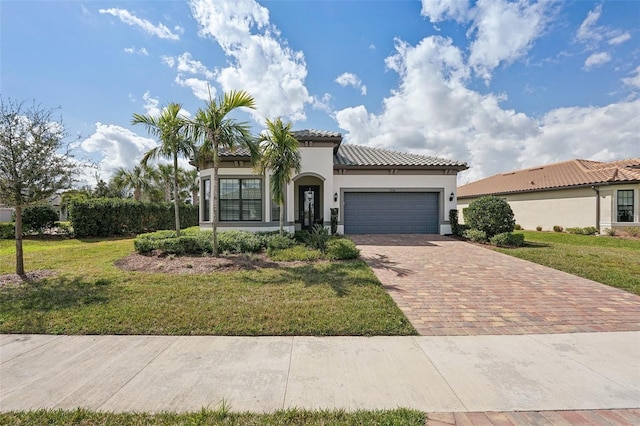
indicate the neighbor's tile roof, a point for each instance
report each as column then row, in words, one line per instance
column 357, row 155
column 315, row 134
column 553, row 176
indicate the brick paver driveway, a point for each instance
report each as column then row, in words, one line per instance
column 449, row 287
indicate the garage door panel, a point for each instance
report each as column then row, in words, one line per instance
column 390, row 212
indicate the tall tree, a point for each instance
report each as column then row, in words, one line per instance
column 191, row 183
column 215, row 130
column 164, row 177
column 34, row 164
column 169, row 127
column 279, row 156
column 137, row 180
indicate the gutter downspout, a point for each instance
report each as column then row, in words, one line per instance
column 597, row 190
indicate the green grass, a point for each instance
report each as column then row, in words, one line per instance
column 92, row 296
column 217, row 417
column 608, row 260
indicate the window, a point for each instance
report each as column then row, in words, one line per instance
column 625, row 205
column 206, row 199
column 240, row 199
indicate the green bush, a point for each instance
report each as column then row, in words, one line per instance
column 342, row 249
column 455, row 225
column 301, row 236
column 633, row 231
column 334, row 220
column 475, row 235
column 508, row 239
column 538, row 228
column 144, row 245
column 7, row 230
column 104, row 217
column 295, row 253
column 239, row 242
column 180, row 245
column 517, row 227
column 65, row 228
column 318, row 238
column 557, row 228
column 589, row 230
column 38, row 218
column 279, row 242
column 490, row 214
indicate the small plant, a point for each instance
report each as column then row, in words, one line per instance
column 7, row 230
column 334, row 220
column 557, row 228
column 475, row 235
column 342, row 249
column 589, row 230
column 65, row 228
column 295, row 253
column 538, row 228
column 633, row 231
column 279, row 242
column 508, row 239
column 318, row 238
column 517, row 227
column 610, row 232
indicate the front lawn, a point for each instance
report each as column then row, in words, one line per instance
column 218, row 417
column 90, row 295
column 609, row 260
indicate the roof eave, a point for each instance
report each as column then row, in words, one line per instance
column 554, row 188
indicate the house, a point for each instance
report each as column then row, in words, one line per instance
column 576, row 193
column 375, row 191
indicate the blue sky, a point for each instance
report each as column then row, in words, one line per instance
column 501, row 85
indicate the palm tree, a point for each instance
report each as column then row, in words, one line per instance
column 137, row 179
column 191, row 183
column 170, row 128
column 279, row 155
column 215, row 130
column 165, row 176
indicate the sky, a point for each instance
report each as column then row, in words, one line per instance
column 501, row 85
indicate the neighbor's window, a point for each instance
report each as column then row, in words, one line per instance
column 240, row 199
column 206, row 199
column 625, row 205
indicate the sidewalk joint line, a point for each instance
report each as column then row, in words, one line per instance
column 286, row 382
column 32, row 349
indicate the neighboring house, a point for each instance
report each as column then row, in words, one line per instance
column 376, row 191
column 6, row 213
column 576, row 193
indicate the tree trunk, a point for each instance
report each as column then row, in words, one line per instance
column 214, row 190
column 281, row 217
column 19, row 252
column 194, row 198
column 137, row 194
column 176, row 201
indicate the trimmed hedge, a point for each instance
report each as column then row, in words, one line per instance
column 475, row 235
column 7, row 230
column 490, row 214
column 106, row 217
column 38, row 218
column 342, row 249
column 508, row 239
column 589, row 230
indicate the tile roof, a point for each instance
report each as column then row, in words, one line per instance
column 554, row 176
column 357, row 155
column 315, row 134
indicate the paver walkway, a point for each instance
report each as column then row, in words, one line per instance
column 449, row 287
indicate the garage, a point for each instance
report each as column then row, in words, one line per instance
column 391, row 213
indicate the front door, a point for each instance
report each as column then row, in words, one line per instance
column 309, row 207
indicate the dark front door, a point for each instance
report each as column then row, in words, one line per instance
column 309, row 207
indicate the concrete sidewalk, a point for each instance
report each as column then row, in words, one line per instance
column 433, row 374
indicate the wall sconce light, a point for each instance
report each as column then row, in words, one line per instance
column 335, row 196
column 451, row 196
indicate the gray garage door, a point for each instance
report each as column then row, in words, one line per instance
column 391, row 213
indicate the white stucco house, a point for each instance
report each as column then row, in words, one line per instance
column 576, row 193
column 376, row 191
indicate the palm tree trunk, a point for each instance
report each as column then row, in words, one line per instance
column 19, row 252
column 176, row 201
column 281, row 217
column 214, row 190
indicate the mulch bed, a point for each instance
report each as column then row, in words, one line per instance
column 16, row 280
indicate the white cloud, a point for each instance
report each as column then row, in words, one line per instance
column 634, row 80
column 201, row 88
column 159, row 30
column 151, row 104
column 432, row 112
column 440, row 10
column 596, row 59
column 140, row 51
column 619, row 39
column 350, row 79
column 168, row 60
column 261, row 62
column 323, row 104
column 189, row 65
column 587, row 30
column 118, row 147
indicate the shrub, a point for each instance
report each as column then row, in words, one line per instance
column 279, row 242
column 65, row 228
column 301, row 236
column 455, row 225
column 180, row 245
column 538, row 228
column 508, row 239
column 610, row 232
column 295, row 253
column 104, row 217
column 38, row 218
column 334, row 220
column 490, row 214
column 342, row 249
column 144, row 245
column 633, row 231
column 475, row 235
column 318, row 238
column 589, row 230
column 557, row 228
column 518, row 227
column 7, row 230
column 239, row 242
